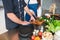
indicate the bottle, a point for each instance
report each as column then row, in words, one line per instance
column 40, row 32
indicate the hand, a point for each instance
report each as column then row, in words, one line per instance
column 32, row 18
column 25, row 23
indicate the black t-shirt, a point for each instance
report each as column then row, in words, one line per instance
column 12, row 6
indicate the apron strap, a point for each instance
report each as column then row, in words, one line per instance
column 28, row 2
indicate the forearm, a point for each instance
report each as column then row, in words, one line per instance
column 28, row 11
column 14, row 18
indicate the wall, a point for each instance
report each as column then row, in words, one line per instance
column 46, row 4
column 2, row 21
column 58, row 5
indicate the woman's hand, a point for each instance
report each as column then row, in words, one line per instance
column 32, row 18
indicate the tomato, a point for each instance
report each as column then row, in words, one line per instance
column 33, row 37
column 40, row 34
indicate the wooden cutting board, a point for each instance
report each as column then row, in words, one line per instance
column 37, row 22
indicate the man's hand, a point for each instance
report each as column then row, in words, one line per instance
column 25, row 23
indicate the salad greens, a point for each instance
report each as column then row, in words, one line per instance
column 53, row 25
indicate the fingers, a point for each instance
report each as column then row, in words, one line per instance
column 25, row 23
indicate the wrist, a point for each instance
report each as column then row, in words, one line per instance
column 20, row 22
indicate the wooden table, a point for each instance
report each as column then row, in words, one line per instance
column 5, row 36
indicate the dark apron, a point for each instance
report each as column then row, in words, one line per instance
column 25, row 31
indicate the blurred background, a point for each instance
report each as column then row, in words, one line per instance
column 45, row 6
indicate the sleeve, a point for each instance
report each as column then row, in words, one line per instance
column 24, row 4
column 8, row 6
